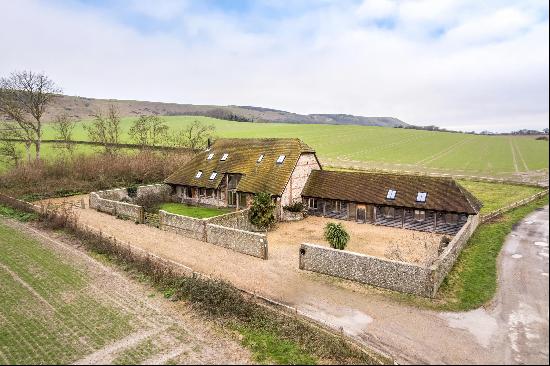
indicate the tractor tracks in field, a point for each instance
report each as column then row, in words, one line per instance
column 444, row 152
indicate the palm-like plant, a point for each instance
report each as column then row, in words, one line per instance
column 336, row 235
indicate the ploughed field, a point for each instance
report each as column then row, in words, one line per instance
column 385, row 148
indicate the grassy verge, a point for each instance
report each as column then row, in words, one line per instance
column 193, row 211
column 473, row 280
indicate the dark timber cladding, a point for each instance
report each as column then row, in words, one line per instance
column 408, row 201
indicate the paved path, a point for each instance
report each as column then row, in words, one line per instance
column 409, row 334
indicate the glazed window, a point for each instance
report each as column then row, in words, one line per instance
column 280, row 159
column 260, row 158
column 199, row 174
column 389, row 212
column 213, row 175
column 312, row 203
column 224, row 157
column 421, row 197
column 419, row 215
column 210, row 156
column 391, row 194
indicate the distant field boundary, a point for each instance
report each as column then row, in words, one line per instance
column 443, row 175
column 120, row 145
column 511, row 206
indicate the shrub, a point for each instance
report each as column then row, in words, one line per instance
column 262, row 211
column 151, row 201
column 295, row 207
column 336, row 235
column 132, row 190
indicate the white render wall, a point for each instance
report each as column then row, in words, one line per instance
column 293, row 190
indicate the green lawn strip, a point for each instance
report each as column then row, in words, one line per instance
column 32, row 331
column 498, row 195
column 193, row 211
column 268, row 348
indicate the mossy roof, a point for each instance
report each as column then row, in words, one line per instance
column 443, row 194
column 265, row 176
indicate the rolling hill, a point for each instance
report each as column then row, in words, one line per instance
column 83, row 108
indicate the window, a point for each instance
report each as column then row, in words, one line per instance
column 312, row 203
column 260, row 158
column 202, row 192
column 231, row 198
column 389, row 212
column 210, row 156
column 199, row 174
column 391, row 194
column 421, row 197
column 280, row 159
column 419, row 215
column 224, row 157
column 213, row 175
column 210, row 193
column 451, row 218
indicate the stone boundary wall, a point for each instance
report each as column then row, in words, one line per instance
column 183, row 225
column 246, row 242
column 444, row 263
column 154, row 188
column 292, row 216
column 234, row 220
column 393, row 275
column 510, row 207
column 19, row 204
column 113, row 207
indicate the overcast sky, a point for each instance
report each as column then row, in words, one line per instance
column 468, row 65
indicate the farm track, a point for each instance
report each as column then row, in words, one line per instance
column 155, row 320
column 444, row 152
column 518, row 150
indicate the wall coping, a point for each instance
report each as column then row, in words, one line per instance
column 237, row 230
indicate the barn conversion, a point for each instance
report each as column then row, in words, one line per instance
column 229, row 172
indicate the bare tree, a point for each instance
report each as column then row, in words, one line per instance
column 24, row 97
column 105, row 129
column 149, row 131
column 8, row 144
column 64, row 127
column 194, row 136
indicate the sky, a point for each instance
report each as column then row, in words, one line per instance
column 459, row 64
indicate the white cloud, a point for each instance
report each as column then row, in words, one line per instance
column 487, row 69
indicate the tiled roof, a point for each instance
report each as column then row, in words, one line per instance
column 443, row 194
column 265, row 176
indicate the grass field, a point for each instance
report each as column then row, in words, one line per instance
column 46, row 315
column 391, row 148
column 193, row 211
column 498, row 195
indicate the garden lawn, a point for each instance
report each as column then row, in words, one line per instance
column 193, row 211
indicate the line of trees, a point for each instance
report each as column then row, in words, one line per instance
column 25, row 97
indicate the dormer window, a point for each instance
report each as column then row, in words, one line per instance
column 199, row 174
column 280, row 159
column 260, row 158
column 224, row 157
column 421, row 196
column 213, row 175
column 391, row 194
column 210, row 156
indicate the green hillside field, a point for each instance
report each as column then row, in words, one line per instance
column 385, row 148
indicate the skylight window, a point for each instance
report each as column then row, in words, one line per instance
column 421, row 197
column 260, row 158
column 224, row 157
column 210, row 156
column 391, row 194
column 280, row 159
column 213, row 175
column 199, row 174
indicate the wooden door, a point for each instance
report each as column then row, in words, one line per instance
column 361, row 214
